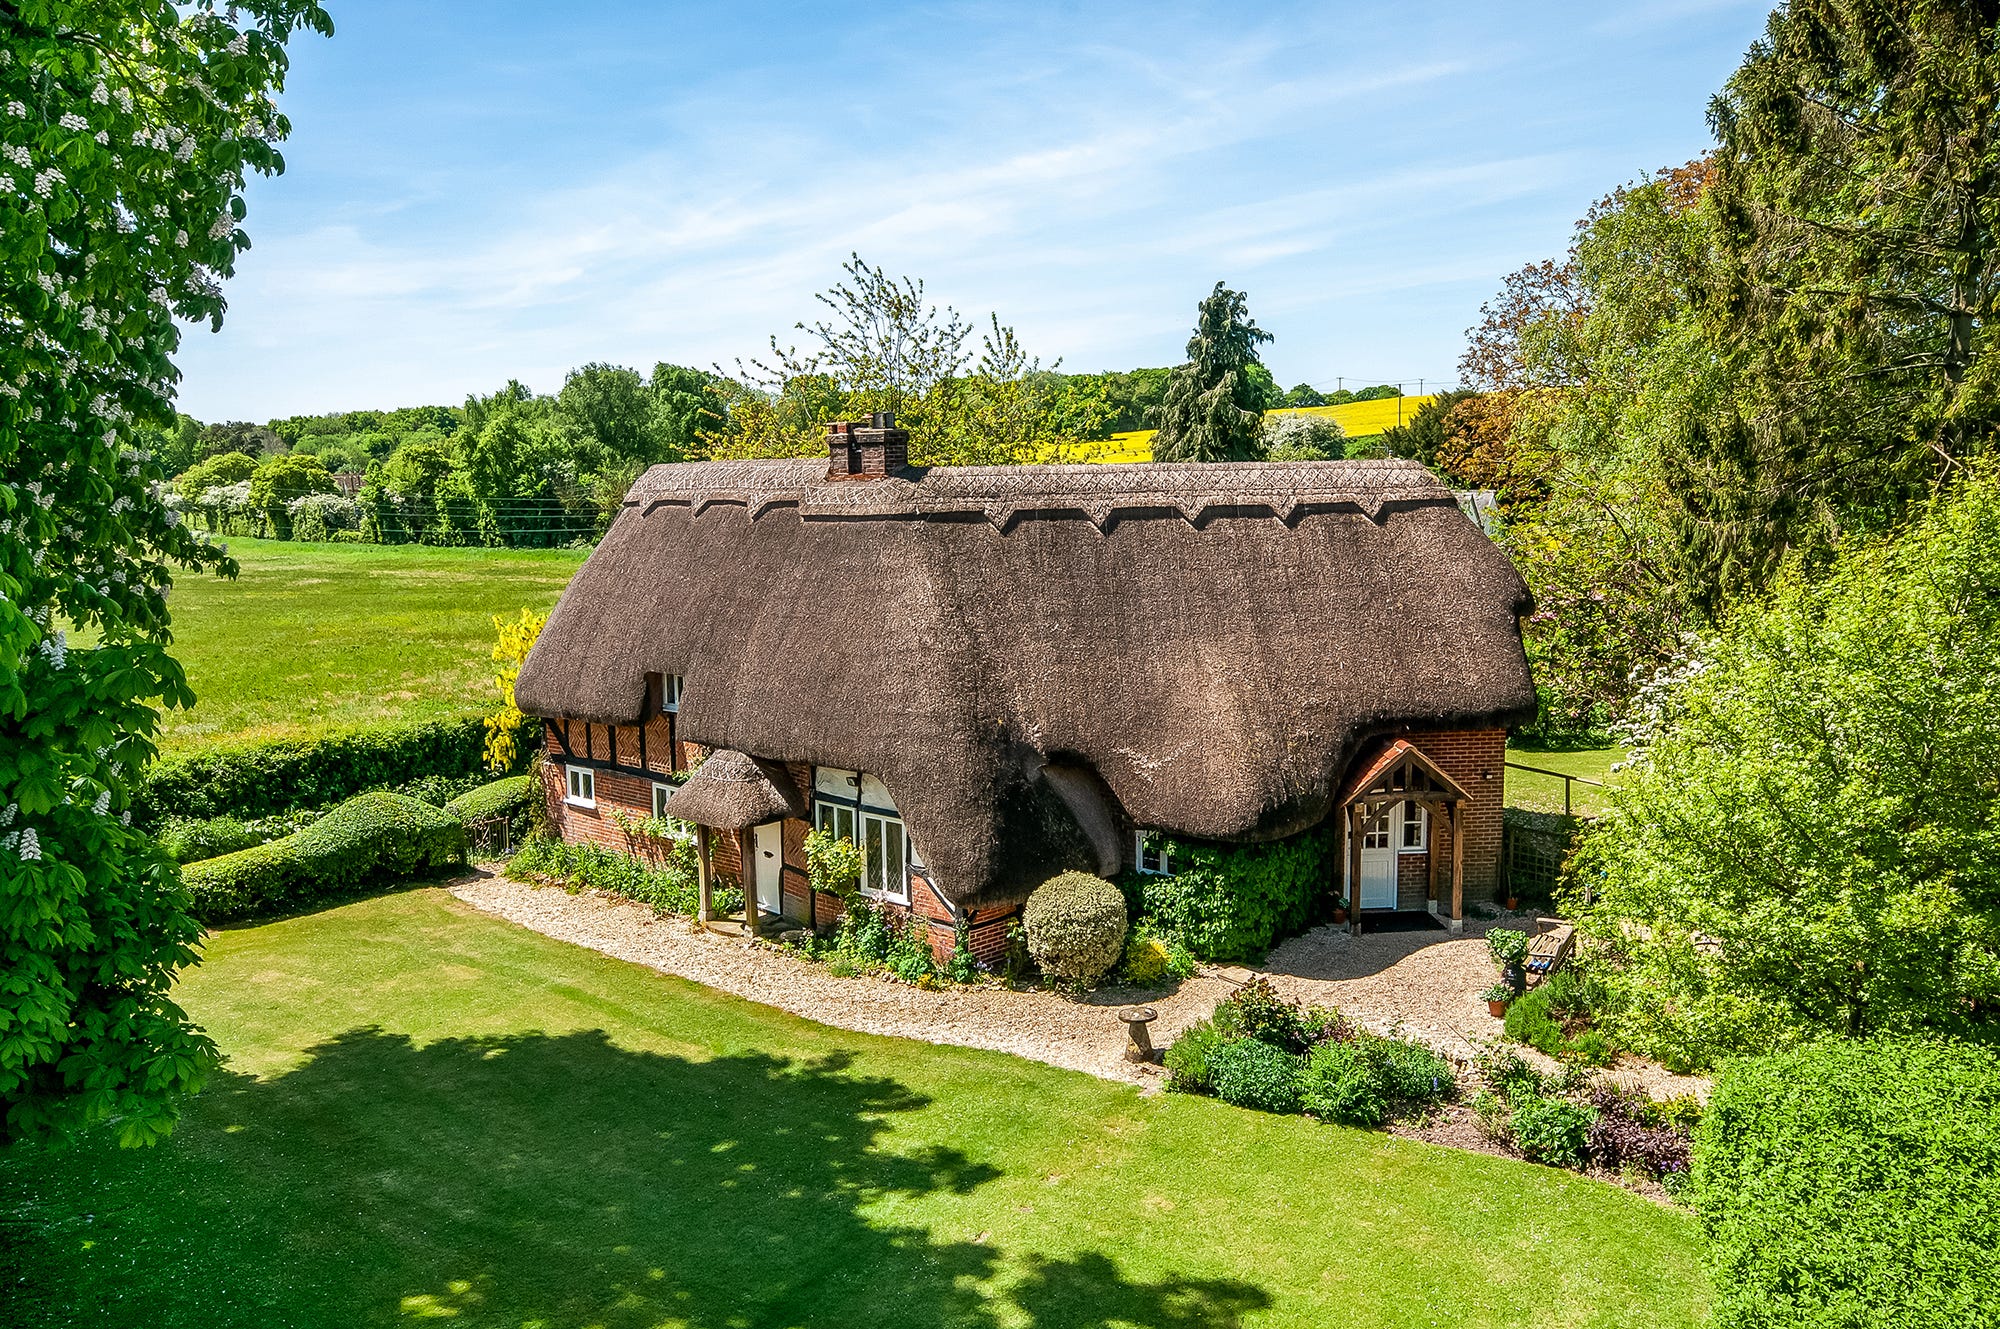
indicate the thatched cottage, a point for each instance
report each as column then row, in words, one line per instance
column 986, row 675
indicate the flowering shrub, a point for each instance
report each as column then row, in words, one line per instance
column 321, row 516
column 127, row 131
column 1803, row 844
column 1153, row 961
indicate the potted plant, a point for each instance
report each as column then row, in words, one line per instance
column 1509, row 949
column 1340, row 910
column 1496, row 998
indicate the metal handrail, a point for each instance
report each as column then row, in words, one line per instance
column 1564, row 776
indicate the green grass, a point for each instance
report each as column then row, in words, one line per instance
column 319, row 637
column 1544, row 793
column 434, row 1115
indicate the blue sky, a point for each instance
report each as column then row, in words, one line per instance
column 479, row 191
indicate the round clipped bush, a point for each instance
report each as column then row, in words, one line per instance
column 1075, row 924
column 1251, row 1074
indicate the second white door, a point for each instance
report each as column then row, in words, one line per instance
column 768, row 847
column 1378, row 856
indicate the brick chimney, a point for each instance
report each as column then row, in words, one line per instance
column 871, row 449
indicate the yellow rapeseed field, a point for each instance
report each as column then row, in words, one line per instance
column 1358, row 419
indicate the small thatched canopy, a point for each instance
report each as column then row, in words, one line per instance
column 730, row 791
column 1195, row 648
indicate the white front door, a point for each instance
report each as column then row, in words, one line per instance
column 768, row 847
column 1378, row 855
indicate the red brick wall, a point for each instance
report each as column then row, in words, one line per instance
column 989, row 924
column 1413, row 880
column 1477, row 759
column 631, row 794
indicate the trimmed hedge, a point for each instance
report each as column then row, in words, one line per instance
column 503, row 798
column 1226, row 901
column 192, row 841
column 371, row 840
column 1845, row 1185
column 1075, row 924
column 265, row 778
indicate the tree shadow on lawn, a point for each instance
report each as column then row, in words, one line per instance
column 553, row 1181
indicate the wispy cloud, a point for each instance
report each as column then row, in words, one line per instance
column 1088, row 191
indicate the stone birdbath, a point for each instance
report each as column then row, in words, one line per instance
column 1138, row 1042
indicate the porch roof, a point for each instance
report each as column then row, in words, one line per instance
column 1377, row 776
column 730, row 791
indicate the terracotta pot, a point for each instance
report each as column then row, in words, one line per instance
column 1340, row 915
column 1498, row 1009
column 1512, row 904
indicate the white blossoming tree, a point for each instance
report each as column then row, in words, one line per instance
column 127, row 129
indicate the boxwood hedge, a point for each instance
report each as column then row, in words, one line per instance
column 370, row 840
column 503, row 798
column 264, row 778
column 1846, row 1184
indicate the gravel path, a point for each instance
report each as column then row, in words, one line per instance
column 1421, row 984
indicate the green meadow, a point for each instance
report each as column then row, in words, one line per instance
column 311, row 638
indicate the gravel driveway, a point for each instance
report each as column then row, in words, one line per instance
column 1421, row 984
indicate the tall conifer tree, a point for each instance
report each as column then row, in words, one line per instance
column 1213, row 406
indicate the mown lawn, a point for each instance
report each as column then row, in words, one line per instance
column 1544, row 793
column 434, row 1115
column 315, row 637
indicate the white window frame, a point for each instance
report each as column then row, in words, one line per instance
column 1420, row 823
column 1377, row 825
column 670, row 693
column 1163, row 861
column 828, row 816
column 661, row 793
column 893, row 832
column 580, row 786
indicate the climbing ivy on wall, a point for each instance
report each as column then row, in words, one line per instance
column 1225, row 901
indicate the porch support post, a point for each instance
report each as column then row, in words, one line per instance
column 745, row 856
column 1457, row 867
column 1431, row 853
column 1354, row 869
column 704, row 908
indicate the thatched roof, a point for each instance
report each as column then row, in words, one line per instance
column 731, row 791
column 1199, row 646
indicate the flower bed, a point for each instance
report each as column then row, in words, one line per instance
column 1261, row 1051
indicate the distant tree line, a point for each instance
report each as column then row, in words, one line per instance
column 519, row 468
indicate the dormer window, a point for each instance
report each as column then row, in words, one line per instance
column 1152, row 856
column 670, row 693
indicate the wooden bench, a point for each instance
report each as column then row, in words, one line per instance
column 1550, row 951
